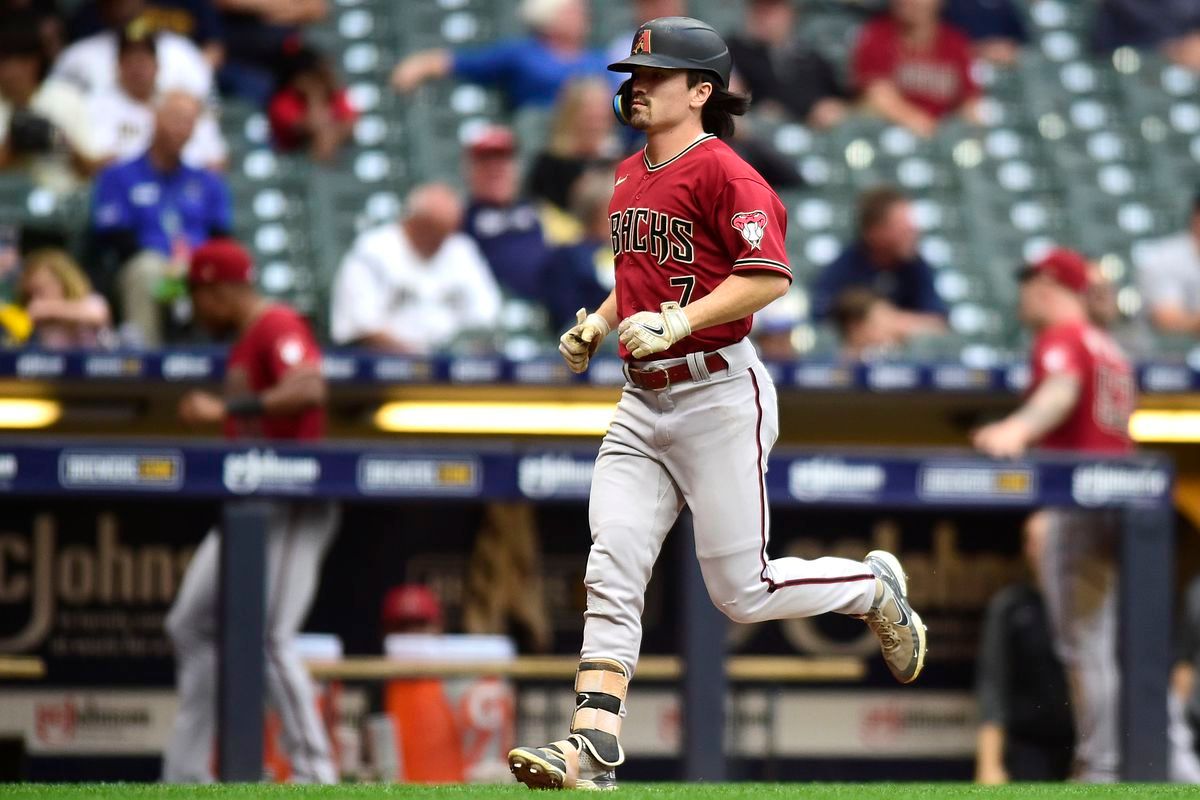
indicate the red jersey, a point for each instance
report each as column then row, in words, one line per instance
column 681, row 227
column 1100, row 420
column 937, row 78
column 274, row 343
column 288, row 109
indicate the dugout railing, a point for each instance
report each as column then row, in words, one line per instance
column 1140, row 487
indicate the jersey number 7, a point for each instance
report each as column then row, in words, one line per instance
column 688, row 282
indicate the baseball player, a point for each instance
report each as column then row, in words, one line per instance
column 699, row 243
column 273, row 390
column 1080, row 398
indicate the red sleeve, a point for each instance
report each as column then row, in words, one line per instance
column 753, row 226
column 340, row 106
column 285, row 114
column 1058, row 352
column 874, row 55
column 286, row 342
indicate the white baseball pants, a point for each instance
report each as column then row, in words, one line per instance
column 703, row 443
column 298, row 535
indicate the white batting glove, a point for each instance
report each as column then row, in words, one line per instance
column 579, row 344
column 647, row 333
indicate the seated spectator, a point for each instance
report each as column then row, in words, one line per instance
column 148, row 214
column 996, row 28
column 1105, row 314
column 505, row 225
column 913, row 70
column 310, row 110
column 1025, row 728
column 886, row 260
column 256, row 35
column 415, row 285
column 196, row 19
column 782, row 75
column 531, row 70
column 46, row 17
column 91, row 63
column 581, row 275
column 582, row 136
column 63, row 309
column 122, row 117
column 43, row 127
column 1168, row 276
column 868, row 326
column 774, row 326
column 1172, row 28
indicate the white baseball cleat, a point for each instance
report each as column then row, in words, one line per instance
column 900, row 630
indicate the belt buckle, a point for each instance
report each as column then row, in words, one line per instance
column 666, row 376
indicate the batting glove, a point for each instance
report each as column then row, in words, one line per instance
column 579, row 344
column 647, row 333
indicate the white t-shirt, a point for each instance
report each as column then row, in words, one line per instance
column 123, row 128
column 384, row 286
column 61, row 104
column 1168, row 273
column 91, row 64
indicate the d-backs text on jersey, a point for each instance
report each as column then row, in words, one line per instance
column 644, row 230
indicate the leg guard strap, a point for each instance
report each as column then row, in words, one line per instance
column 601, row 684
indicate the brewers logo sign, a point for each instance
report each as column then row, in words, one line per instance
column 150, row 470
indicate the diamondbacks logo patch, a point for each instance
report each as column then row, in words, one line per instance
column 642, row 43
column 750, row 224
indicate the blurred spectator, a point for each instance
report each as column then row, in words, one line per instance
column 774, row 325
column 91, row 62
column 256, row 35
column 1170, row 26
column 582, row 136
column 1103, row 311
column 867, row 325
column 913, row 70
column 415, row 285
column 311, row 109
column 581, row 275
column 782, row 75
column 63, row 309
column 47, row 18
column 43, row 127
column 996, row 28
column 504, row 224
column 122, row 117
column 1025, row 728
column 1081, row 395
column 1168, row 276
column 411, row 608
column 531, row 70
column 196, row 19
column 148, row 215
column 885, row 259
column 1184, row 699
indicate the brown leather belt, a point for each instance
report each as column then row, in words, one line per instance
column 658, row 378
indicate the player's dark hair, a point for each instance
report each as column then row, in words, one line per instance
column 874, row 205
column 721, row 107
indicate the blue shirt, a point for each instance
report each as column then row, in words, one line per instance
column 528, row 71
column 986, row 19
column 571, row 281
column 512, row 242
column 161, row 207
column 908, row 285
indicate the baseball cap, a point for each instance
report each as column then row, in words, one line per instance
column 410, row 603
column 220, row 261
column 1066, row 267
column 140, row 33
column 492, row 140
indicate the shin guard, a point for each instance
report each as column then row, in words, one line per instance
column 600, row 687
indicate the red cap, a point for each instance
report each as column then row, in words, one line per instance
column 410, row 603
column 220, row 261
column 1064, row 266
column 492, row 140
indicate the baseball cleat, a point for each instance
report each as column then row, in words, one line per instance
column 900, row 630
column 561, row 765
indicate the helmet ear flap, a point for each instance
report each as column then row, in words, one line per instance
column 623, row 102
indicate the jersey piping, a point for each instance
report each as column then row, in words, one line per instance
column 655, row 167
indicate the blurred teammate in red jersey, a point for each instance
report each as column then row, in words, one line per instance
column 1080, row 398
column 274, row 391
